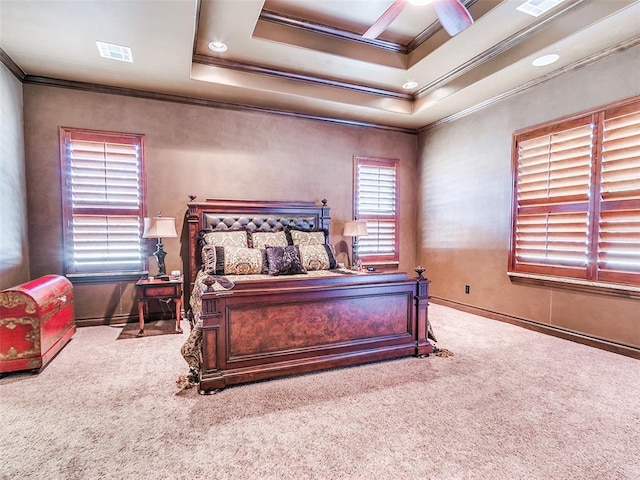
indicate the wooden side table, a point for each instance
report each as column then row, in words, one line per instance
column 159, row 290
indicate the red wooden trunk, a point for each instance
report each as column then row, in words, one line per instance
column 36, row 321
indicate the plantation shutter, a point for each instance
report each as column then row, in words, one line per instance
column 551, row 228
column 104, row 202
column 376, row 202
column 619, row 222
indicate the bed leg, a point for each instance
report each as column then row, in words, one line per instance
column 210, row 392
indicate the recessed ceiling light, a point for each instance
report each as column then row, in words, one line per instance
column 545, row 60
column 218, row 47
column 410, row 85
column 115, row 52
column 538, row 7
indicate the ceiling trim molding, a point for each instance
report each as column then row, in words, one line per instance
column 423, row 36
column 584, row 62
column 196, row 27
column 322, row 29
column 13, row 67
column 203, row 102
column 431, row 30
column 499, row 48
column 319, row 28
column 289, row 75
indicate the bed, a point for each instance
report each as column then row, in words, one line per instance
column 255, row 324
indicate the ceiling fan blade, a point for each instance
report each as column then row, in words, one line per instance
column 453, row 15
column 385, row 19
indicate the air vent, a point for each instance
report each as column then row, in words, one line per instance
column 115, row 52
column 538, row 7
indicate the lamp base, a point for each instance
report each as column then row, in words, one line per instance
column 357, row 264
column 160, row 254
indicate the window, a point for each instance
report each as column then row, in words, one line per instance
column 376, row 201
column 103, row 203
column 577, row 197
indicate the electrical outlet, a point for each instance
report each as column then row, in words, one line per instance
column 466, row 289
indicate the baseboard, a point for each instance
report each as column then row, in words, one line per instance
column 601, row 343
column 119, row 320
column 111, row 320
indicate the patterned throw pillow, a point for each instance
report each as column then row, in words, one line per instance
column 268, row 239
column 299, row 237
column 213, row 260
column 226, row 238
column 242, row 261
column 284, row 261
column 317, row 257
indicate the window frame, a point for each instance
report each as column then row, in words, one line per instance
column 380, row 260
column 66, row 136
column 594, row 276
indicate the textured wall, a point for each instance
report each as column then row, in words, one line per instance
column 14, row 252
column 211, row 153
column 465, row 197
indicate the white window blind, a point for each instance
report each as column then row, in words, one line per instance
column 104, row 202
column 376, row 190
column 577, row 198
column 619, row 222
column 552, row 220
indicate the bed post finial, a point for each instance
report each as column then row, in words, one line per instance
column 419, row 270
column 192, row 197
column 324, row 218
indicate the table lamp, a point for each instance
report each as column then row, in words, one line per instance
column 159, row 227
column 355, row 229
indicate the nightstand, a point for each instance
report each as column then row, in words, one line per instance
column 159, row 290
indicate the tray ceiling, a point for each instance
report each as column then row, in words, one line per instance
column 308, row 57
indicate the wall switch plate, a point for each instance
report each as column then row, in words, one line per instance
column 466, row 289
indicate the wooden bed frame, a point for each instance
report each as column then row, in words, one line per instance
column 263, row 329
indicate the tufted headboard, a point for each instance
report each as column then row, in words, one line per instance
column 258, row 222
column 262, row 216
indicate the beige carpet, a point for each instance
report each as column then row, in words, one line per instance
column 510, row 404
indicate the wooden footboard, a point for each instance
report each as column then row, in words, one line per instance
column 262, row 329
column 259, row 331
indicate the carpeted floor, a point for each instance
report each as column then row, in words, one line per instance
column 510, row 404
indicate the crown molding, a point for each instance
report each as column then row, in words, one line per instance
column 13, row 67
column 584, row 62
column 321, row 29
column 499, row 48
column 291, row 75
column 203, row 102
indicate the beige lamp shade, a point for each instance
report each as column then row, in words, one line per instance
column 355, row 228
column 159, row 227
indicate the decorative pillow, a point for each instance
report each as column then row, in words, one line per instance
column 317, row 257
column 225, row 238
column 300, row 237
column 284, row 261
column 214, row 260
column 242, row 261
column 269, row 239
column 209, row 259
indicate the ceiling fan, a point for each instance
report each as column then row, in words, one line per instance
column 453, row 15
